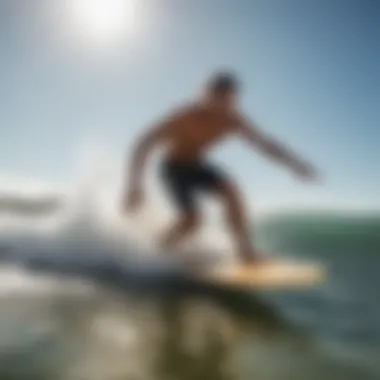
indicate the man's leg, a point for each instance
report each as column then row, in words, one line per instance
column 237, row 219
column 186, row 224
column 181, row 182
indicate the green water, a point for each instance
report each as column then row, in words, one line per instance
column 73, row 331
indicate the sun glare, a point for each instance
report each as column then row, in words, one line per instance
column 103, row 20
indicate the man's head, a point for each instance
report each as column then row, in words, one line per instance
column 222, row 89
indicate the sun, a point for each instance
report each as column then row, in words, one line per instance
column 103, row 20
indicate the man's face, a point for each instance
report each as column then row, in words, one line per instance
column 225, row 99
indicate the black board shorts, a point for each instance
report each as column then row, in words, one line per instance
column 185, row 180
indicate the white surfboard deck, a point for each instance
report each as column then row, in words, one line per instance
column 274, row 274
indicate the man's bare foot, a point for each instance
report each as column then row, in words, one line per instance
column 257, row 259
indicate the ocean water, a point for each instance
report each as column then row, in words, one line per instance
column 76, row 304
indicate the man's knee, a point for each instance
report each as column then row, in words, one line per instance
column 190, row 220
column 230, row 196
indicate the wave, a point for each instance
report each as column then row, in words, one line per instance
column 82, row 240
column 318, row 234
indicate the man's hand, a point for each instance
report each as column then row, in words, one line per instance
column 133, row 200
column 305, row 171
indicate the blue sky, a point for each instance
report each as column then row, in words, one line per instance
column 310, row 70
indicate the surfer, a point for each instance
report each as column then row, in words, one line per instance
column 188, row 133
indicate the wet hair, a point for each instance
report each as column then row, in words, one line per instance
column 223, row 82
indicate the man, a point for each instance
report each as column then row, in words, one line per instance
column 188, row 134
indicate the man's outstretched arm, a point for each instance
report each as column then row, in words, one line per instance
column 273, row 149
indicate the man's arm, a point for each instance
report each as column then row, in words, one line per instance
column 156, row 135
column 273, row 149
column 141, row 151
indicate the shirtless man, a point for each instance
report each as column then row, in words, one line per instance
column 188, row 134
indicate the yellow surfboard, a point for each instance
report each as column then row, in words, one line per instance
column 274, row 274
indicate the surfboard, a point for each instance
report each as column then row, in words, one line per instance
column 274, row 274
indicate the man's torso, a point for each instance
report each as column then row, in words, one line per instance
column 198, row 129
